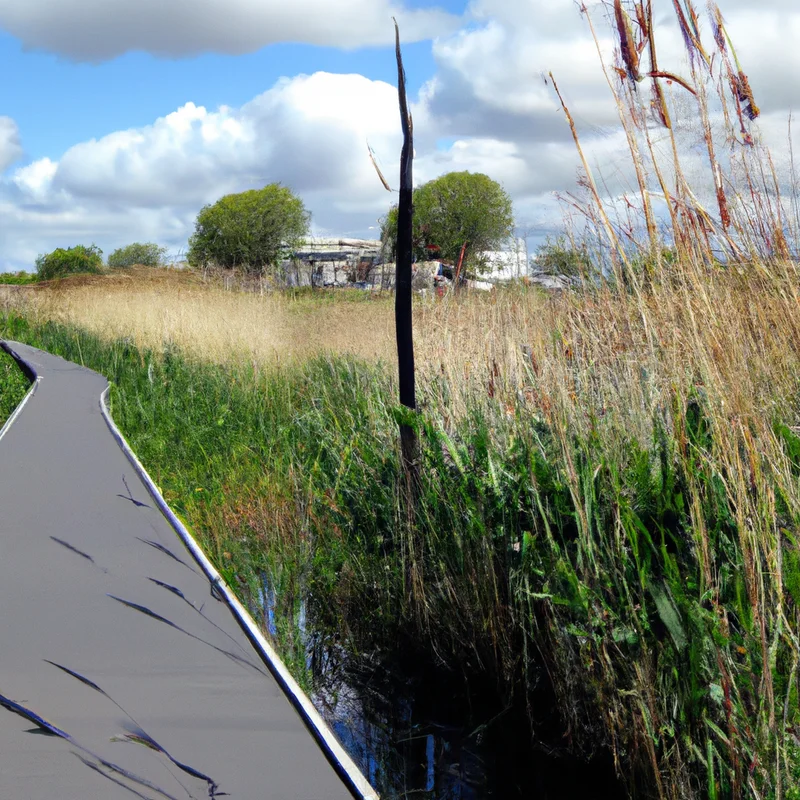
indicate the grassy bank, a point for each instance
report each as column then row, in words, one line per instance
column 610, row 502
column 13, row 386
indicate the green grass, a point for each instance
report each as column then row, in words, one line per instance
column 13, row 386
column 535, row 554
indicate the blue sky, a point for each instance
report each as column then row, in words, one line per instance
column 120, row 119
column 57, row 102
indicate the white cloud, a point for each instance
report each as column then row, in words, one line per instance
column 307, row 132
column 10, row 144
column 490, row 83
column 96, row 30
column 36, row 178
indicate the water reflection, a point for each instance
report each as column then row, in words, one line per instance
column 427, row 736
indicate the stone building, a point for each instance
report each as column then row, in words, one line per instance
column 333, row 261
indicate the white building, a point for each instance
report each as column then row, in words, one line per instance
column 508, row 264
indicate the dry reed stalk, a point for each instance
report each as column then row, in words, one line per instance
column 630, row 57
column 712, row 79
column 618, row 254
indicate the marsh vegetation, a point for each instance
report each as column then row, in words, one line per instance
column 609, row 502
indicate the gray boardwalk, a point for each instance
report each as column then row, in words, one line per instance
column 95, row 580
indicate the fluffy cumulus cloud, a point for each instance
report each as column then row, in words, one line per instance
column 492, row 84
column 491, row 73
column 487, row 108
column 308, row 132
column 10, row 143
column 94, row 30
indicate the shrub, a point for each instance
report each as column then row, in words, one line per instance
column 147, row 255
column 17, row 278
column 559, row 257
column 250, row 230
column 69, row 261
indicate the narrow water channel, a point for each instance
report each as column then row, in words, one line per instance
column 428, row 734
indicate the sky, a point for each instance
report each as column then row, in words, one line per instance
column 121, row 119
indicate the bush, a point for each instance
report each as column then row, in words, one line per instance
column 146, row 255
column 250, row 230
column 17, row 278
column 69, row 261
column 561, row 258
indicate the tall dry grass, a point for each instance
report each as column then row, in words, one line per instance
column 700, row 370
column 157, row 307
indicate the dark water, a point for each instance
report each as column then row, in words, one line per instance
column 432, row 734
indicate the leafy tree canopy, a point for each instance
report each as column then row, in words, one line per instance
column 69, row 261
column 250, row 231
column 147, row 255
column 453, row 210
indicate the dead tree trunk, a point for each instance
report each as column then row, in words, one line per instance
column 402, row 300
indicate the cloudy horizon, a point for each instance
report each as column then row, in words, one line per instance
column 127, row 117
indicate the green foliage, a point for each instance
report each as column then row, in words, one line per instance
column 251, row 230
column 456, row 209
column 13, row 386
column 69, row 261
column 559, row 257
column 17, row 278
column 146, row 255
column 529, row 546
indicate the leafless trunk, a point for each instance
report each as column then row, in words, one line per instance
column 402, row 304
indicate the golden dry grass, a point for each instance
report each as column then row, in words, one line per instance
column 577, row 355
column 157, row 307
column 599, row 361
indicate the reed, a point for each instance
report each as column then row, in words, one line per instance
column 610, row 499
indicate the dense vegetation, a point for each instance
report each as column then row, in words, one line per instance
column 250, row 230
column 13, row 386
column 69, row 261
column 146, row 254
column 611, row 515
column 17, row 278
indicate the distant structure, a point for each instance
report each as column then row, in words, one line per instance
column 333, row 261
column 507, row 265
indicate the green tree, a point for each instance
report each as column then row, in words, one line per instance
column 454, row 210
column 69, row 261
column 147, row 255
column 250, row 231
